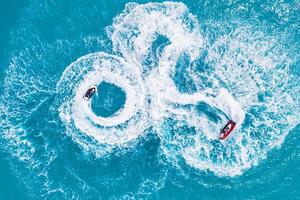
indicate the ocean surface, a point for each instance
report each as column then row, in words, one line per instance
column 169, row 75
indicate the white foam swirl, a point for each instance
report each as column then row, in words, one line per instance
column 92, row 70
column 188, row 123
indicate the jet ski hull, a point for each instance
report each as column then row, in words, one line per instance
column 227, row 129
column 90, row 92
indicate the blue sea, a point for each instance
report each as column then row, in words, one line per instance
column 169, row 75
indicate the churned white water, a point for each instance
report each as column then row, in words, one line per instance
column 242, row 84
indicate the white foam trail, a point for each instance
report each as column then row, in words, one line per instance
column 132, row 37
column 92, row 70
column 153, row 99
column 134, row 32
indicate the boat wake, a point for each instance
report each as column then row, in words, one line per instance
column 181, row 83
column 157, row 60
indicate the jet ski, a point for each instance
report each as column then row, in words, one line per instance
column 227, row 129
column 90, row 92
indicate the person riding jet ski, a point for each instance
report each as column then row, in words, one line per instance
column 227, row 129
column 90, row 92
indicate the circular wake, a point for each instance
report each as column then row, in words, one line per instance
column 93, row 69
column 186, row 87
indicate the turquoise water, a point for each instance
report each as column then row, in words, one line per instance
column 169, row 75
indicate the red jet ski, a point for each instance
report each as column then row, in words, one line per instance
column 227, row 129
column 90, row 92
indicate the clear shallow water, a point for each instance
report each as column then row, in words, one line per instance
column 169, row 75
